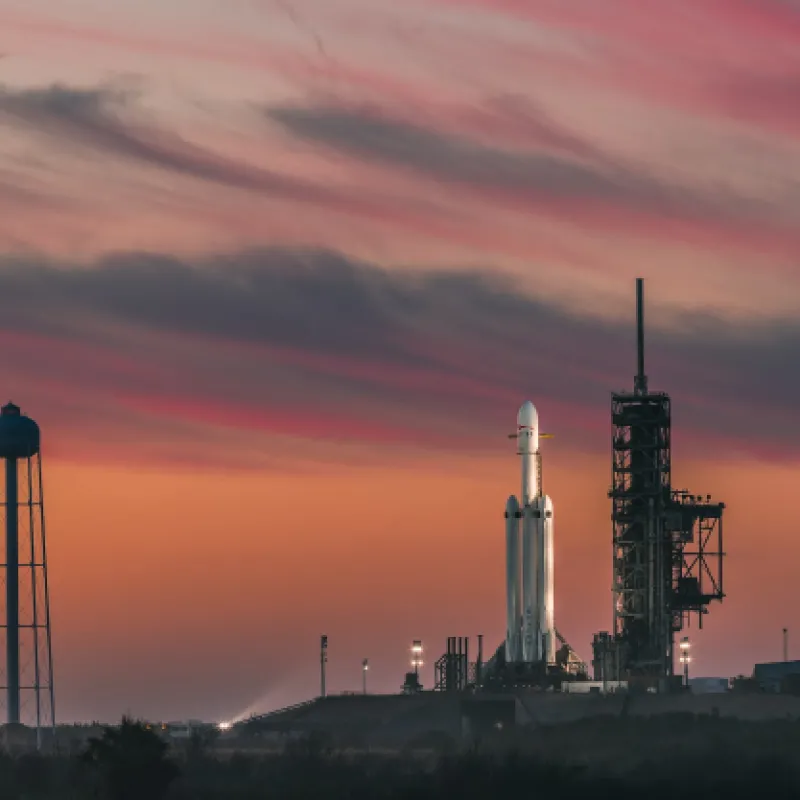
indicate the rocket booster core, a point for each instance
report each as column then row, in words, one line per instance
column 527, row 429
column 528, row 449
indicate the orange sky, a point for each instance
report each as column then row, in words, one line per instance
column 275, row 278
column 199, row 592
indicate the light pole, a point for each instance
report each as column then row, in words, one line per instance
column 685, row 659
column 416, row 656
column 785, row 644
column 323, row 660
column 364, row 671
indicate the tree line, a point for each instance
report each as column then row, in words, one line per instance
column 698, row 759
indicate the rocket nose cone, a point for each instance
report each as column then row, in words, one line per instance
column 512, row 505
column 527, row 416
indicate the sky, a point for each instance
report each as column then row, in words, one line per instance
column 275, row 277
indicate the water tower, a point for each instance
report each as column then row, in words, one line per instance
column 25, row 624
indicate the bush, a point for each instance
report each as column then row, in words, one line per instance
column 130, row 762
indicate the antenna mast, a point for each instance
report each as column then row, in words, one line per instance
column 640, row 381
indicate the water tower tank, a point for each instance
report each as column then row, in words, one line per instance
column 19, row 435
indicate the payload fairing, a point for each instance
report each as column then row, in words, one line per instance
column 530, row 631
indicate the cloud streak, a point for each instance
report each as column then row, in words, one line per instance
column 313, row 344
column 535, row 177
column 92, row 121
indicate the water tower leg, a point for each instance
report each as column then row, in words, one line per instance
column 12, row 590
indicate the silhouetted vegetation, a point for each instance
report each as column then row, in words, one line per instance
column 129, row 763
column 668, row 757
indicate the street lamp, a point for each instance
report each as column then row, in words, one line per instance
column 364, row 670
column 323, row 660
column 416, row 656
column 685, row 658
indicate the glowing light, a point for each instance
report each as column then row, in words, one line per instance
column 225, row 726
column 416, row 654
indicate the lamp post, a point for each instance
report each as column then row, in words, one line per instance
column 785, row 644
column 685, row 658
column 323, row 660
column 364, row 671
column 416, row 656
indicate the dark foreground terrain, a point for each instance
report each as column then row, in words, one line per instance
column 679, row 757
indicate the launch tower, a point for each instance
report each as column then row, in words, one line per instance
column 26, row 622
column 667, row 544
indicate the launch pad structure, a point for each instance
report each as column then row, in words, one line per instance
column 667, row 559
column 667, row 565
column 667, row 543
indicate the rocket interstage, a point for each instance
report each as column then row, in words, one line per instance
column 530, row 631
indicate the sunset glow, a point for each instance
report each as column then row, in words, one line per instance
column 275, row 277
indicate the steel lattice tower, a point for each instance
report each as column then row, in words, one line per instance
column 28, row 678
column 667, row 544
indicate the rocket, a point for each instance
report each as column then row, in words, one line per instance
column 530, row 630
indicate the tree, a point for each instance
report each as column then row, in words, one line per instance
column 131, row 762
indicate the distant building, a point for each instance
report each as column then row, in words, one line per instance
column 594, row 687
column 776, row 676
column 709, row 685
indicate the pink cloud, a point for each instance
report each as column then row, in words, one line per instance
column 541, row 165
column 691, row 56
column 713, row 28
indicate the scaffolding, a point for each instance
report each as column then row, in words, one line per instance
column 640, row 495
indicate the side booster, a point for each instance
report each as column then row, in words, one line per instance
column 530, row 631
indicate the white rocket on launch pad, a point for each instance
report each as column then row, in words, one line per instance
column 530, row 632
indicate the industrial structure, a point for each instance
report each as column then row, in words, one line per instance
column 667, row 543
column 26, row 623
